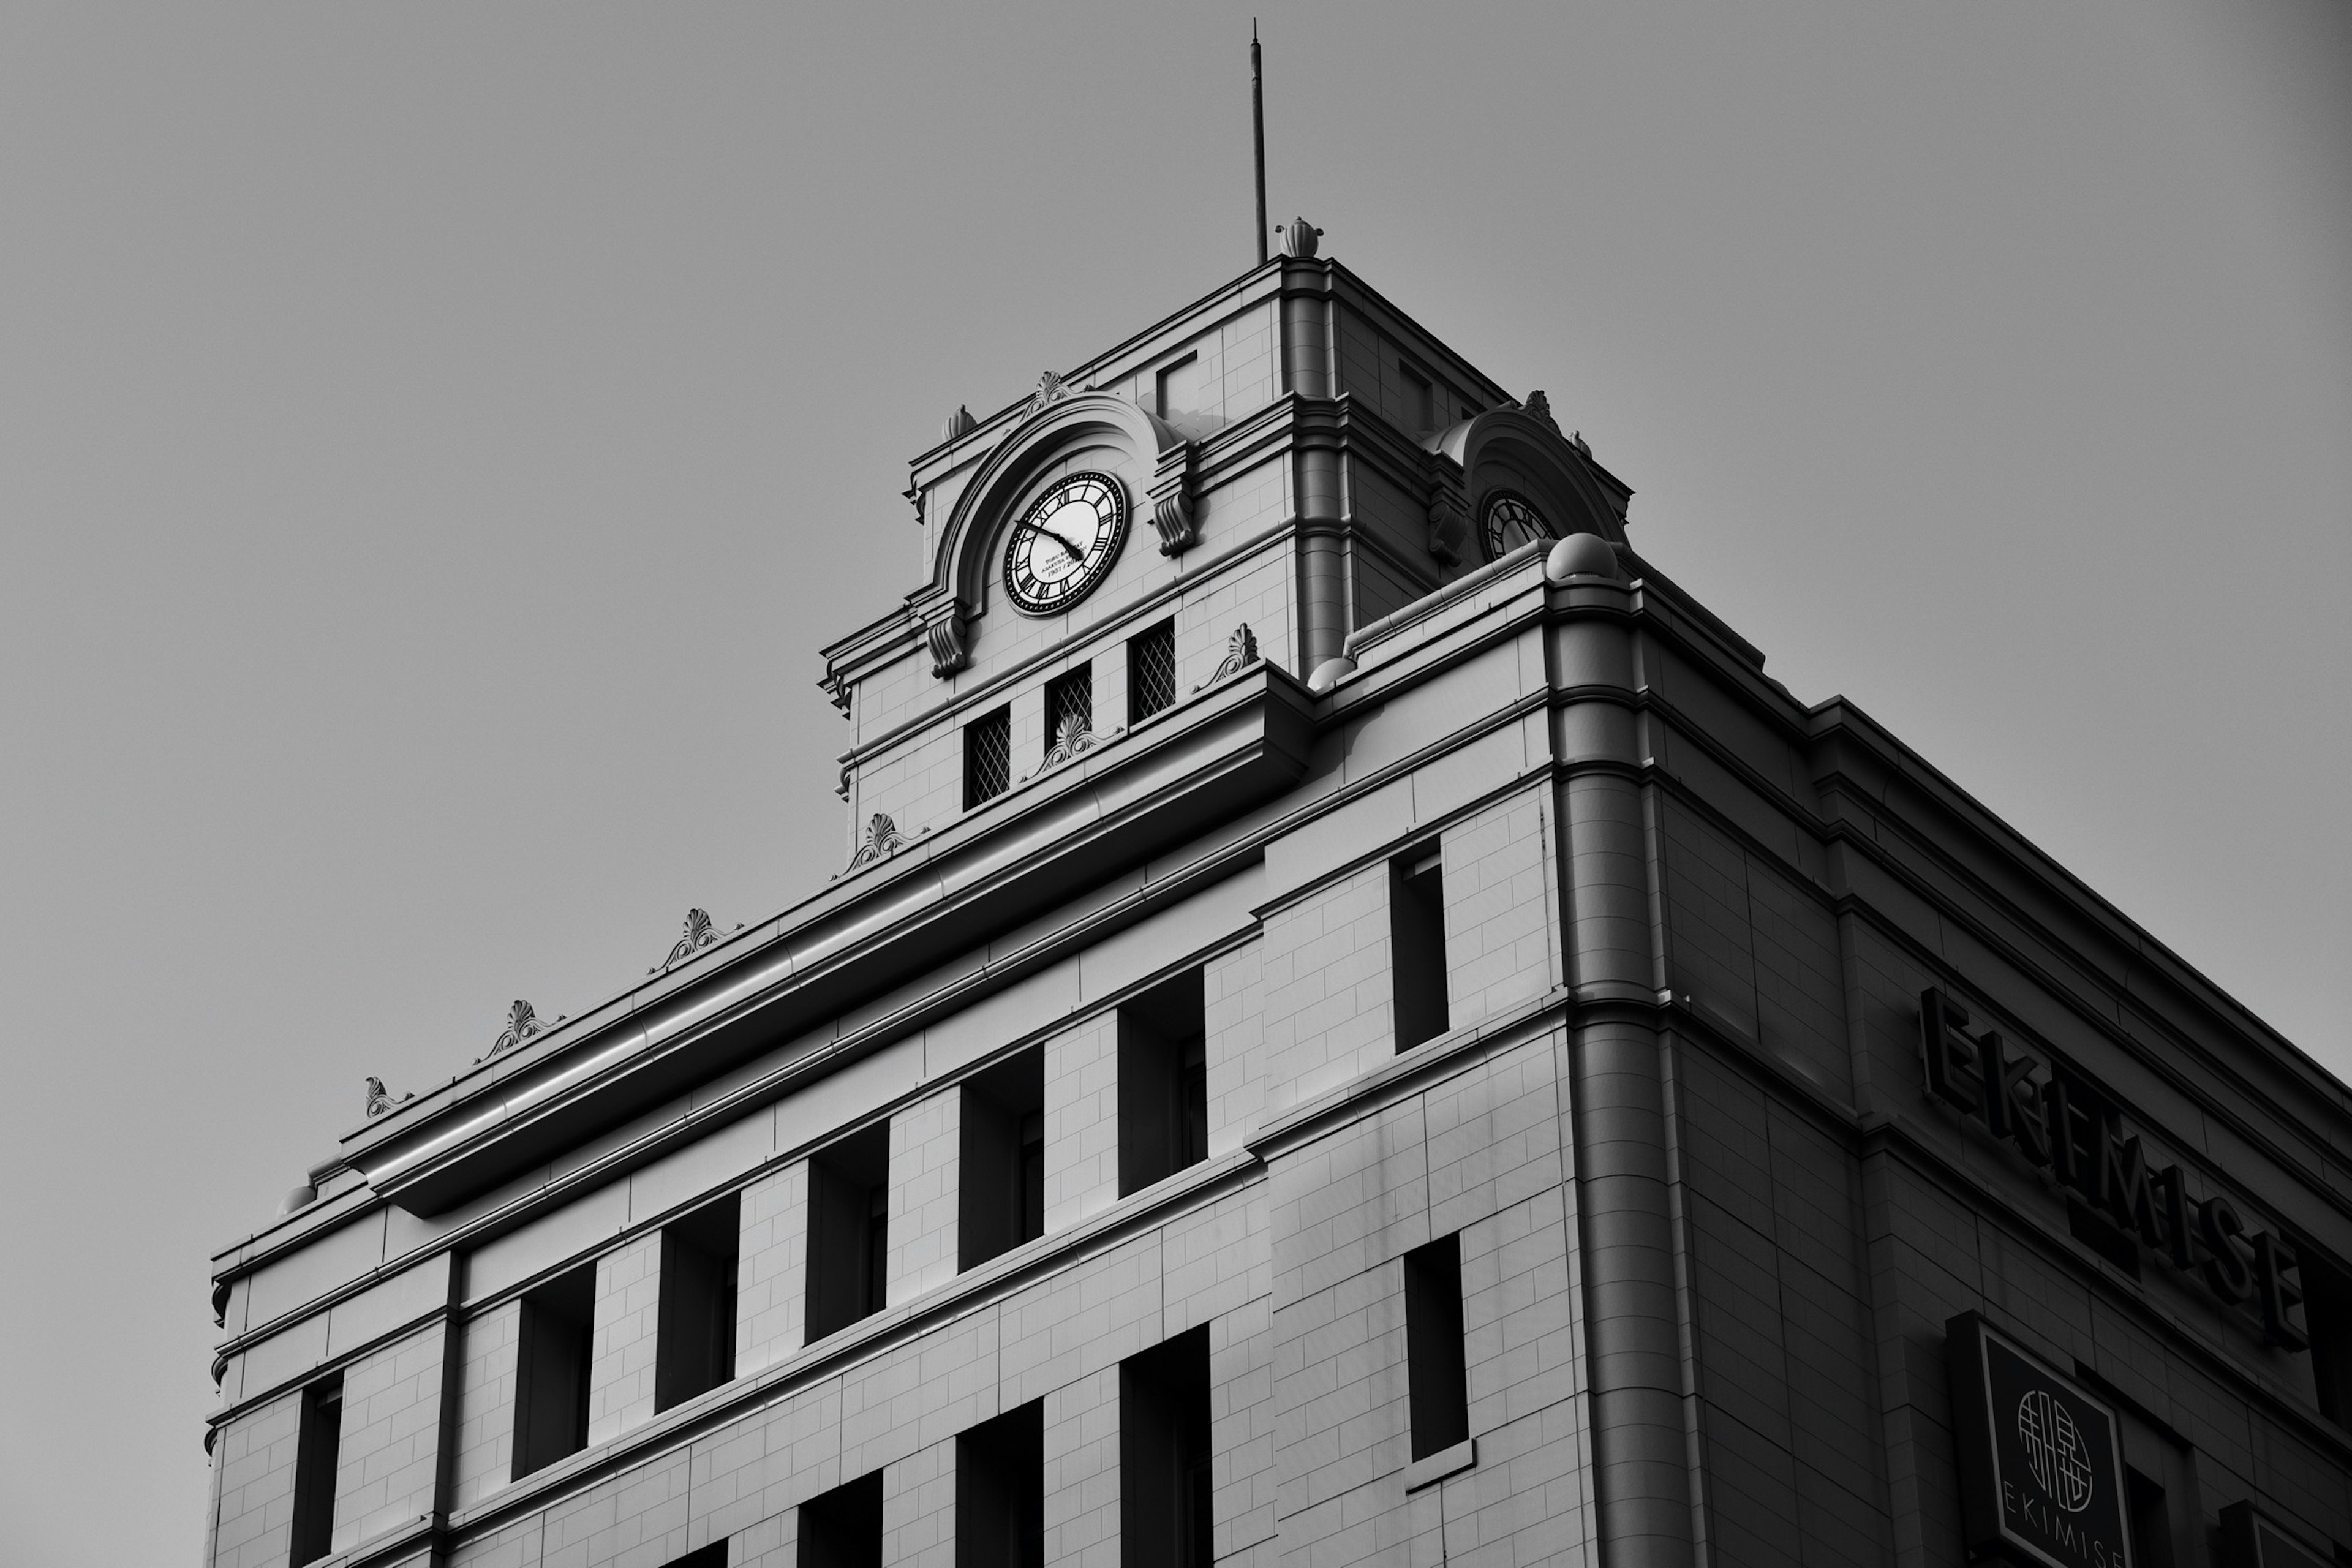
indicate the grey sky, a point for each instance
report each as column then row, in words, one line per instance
column 434, row 442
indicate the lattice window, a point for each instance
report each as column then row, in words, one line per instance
column 987, row 757
column 1070, row 709
column 1151, row 671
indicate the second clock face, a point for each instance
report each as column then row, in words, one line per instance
column 1509, row 519
column 1064, row 548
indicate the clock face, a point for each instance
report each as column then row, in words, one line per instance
column 1064, row 548
column 1509, row 519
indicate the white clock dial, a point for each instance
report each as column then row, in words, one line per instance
column 1064, row 547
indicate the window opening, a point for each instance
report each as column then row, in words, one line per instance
column 1417, row 946
column 2327, row 1313
column 1000, row 1491
column 843, row 1528
column 1178, row 388
column 987, row 757
column 1163, row 1100
column 1420, row 398
column 552, row 1356
column 1151, row 671
column 317, row 1453
column 1001, row 1193
column 1438, row 1380
column 694, row 1348
column 849, row 1230
column 1167, row 1492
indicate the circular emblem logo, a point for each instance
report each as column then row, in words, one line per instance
column 2054, row 1448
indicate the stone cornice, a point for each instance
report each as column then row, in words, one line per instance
column 1040, row 844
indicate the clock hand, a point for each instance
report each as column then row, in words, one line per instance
column 1075, row 554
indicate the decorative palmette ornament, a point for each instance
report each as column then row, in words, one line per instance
column 1071, row 739
column 522, row 1023
column 699, row 934
column 1241, row 652
column 379, row 1098
column 882, row 839
column 1051, row 389
column 1537, row 407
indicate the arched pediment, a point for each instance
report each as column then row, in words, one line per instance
column 1511, row 449
column 1150, row 461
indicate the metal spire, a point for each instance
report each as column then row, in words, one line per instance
column 1258, row 126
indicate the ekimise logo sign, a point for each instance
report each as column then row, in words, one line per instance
column 2069, row 1131
column 2042, row 1467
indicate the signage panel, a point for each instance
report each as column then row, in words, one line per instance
column 2042, row 1464
column 2065, row 1129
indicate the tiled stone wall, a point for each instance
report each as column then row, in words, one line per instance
column 621, row 1364
column 925, row 1141
column 488, row 1346
column 771, row 1268
column 255, row 1455
column 1081, row 1122
column 391, row 1449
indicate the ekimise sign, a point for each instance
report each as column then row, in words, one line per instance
column 2069, row 1131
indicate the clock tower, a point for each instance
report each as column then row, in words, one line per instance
column 1272, row 468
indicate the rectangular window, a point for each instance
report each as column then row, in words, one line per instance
column 1164, row 1082
column 843, row 1528
column 1000, row 1491
column 711, row 1556
column 1419, row 399
column 1417, row 945
column 694, row 1348
column 1001, row 1195
column 2327, row 1314
column 849, row 1235
column 1166, row 1490
column 317, row 1453
column 1180, row 387
column 987, row 757
column 552, row 1370
column 2151, row 1519
column 1151, row 671
column 1438, row 1383
column 1070, row 709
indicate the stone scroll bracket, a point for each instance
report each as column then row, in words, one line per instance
column 1175, row 498
column 1449, row 524
column 947, row 631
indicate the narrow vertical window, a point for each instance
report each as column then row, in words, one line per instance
column 694, row 1348
column 2151, row 1519
column 1163, row 1093
column 1151, row 671
column 843, row 1528
column 1438, row 1384
column 1000, row 1201
column 1000, row 1508
column 987, row 757
column 1069, row 713
column 1166, row 1490
column 1417, row 945
column 1179, row 388
column 1419, row 399
column 318, row 1453
column 849, row 1235
column 552, row 1370
column 2327, row 1311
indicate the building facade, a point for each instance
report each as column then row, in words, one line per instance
column 1357, row 1026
